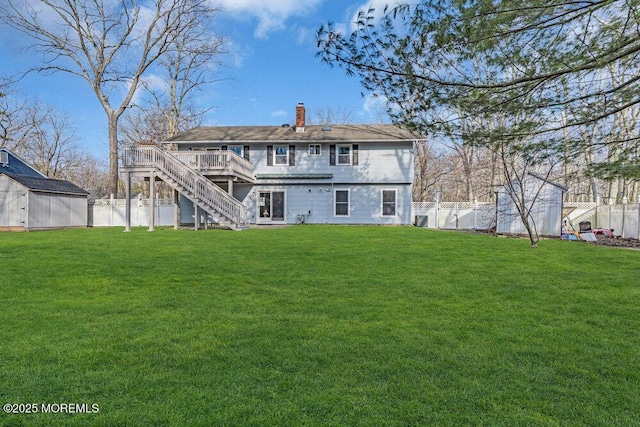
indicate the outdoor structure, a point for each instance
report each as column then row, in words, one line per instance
column 542, row 197
column 343, row 174
column 31, row 201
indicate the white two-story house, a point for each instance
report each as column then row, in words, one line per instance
column 342, row 174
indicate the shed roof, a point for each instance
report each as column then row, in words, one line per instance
column 541, row 178
column 47, row 185
column 314, row 133
column 18, row 166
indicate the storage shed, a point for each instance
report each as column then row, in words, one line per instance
column 545, row 201
column 30, row 201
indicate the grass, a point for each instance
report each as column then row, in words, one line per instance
column 318, row 325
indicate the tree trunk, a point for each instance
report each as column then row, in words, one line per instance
column 113, row 153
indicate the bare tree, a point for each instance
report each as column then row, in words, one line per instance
column 51, row 148
column 46, row 139
column 327, row 116
column 109, row 44
column 431, row 165
column 18, row 118
column 144, row 126
column 89, row 173
column 188, row 70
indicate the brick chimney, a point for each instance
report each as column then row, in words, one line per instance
column 300, row 117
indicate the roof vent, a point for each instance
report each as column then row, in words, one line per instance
column 326, row 128
column 4, row 159
column 285, row 125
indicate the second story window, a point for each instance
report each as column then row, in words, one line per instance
column 343, row 154
column 281, row 155
column 314, row 149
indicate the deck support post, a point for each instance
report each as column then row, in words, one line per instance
column 127, row 226
column 176, row 209
column 230, row 187
column 196, row 217
column 152, row 190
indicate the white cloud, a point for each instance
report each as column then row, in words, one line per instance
column 340, row 28
column 238, row 53
column 374, row 103
column 271, row 14
column 304, row 35
column 279, row 113
column 155, row 82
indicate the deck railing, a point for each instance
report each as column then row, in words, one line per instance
column 226, row 162
column 192, row 181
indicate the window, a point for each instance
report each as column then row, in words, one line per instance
column 281, row 155
column 389, row 202
column 344, row 154
column 236, row 149
column 314, row 149
column 341, row 202
column 4, row 158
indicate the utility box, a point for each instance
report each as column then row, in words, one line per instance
column 422, row 221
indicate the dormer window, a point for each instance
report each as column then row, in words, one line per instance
column 4, row 158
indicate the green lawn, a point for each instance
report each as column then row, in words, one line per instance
column 318, row 325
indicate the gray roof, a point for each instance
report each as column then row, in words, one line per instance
column 336, row 133
column 47, row 184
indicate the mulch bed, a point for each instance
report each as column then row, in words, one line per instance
column 617, row 241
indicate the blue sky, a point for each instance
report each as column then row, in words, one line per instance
column 272, row 66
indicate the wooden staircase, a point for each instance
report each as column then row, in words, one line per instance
column 223, row 208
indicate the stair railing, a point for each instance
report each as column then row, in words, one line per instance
column 193, row 182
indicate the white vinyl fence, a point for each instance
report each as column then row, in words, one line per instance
column 455, row 215
column 623, row 218
column 112, row 212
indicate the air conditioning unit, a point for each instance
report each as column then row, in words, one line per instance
column 422, row 221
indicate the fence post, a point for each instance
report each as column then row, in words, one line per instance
column 112, row 203
column 638, row 224
column 624, row 213
column 437, row 227
column 475, row 213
